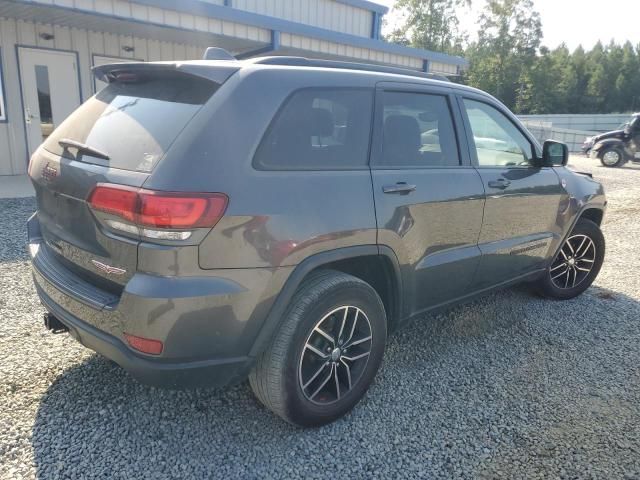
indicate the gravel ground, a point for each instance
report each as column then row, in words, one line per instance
column 509, row 386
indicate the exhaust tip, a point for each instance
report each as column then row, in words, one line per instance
column 54, row 325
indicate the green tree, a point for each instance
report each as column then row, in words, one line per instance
column 502, row 59
column 628, row 80
column 430, row 24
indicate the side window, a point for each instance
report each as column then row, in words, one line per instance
column 498, row 141
column 417, row 131
column 319, row 129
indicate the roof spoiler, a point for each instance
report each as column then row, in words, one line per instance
column 198, row 68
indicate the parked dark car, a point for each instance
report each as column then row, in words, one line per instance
column 203, row 222
column 617, row 147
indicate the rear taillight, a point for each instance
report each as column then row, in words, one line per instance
column 155, row 214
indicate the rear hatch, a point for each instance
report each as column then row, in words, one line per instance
column 116, row 138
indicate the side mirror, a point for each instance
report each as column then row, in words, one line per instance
column 554, row 154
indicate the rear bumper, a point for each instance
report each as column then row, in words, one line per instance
column 208, row 324
column 154, row 372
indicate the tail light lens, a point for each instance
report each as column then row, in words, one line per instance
column 144, row 345
column 156, row 211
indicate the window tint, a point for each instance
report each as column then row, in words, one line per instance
column 319, row 129
column 134, row 120
column 498, row 141
column 417, row 131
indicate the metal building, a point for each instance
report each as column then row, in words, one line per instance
column 47, row 48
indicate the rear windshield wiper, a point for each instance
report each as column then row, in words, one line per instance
column 81, row 147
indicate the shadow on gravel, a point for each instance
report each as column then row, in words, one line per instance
column 14, row 212
column 510, row 385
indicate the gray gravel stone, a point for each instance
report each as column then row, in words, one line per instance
column 510, row 386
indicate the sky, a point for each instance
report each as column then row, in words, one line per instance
column 573, row 22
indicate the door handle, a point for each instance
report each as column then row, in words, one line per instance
column 501, row 183
column 402, row 188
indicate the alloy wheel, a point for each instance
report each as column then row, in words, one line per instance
column 574, row 262
column 611, row 157
column 335, row 355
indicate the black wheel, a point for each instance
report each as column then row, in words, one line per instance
column 611, row 157
column 327, row 352
column 576, row 264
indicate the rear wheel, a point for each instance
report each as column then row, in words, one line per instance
column 576, row 264
column 326, row 353
column 611, row 157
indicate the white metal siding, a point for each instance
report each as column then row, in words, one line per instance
column 318, row 13
column 170, row 18
column 443, row 68
column 342, row 50
column 13, row 153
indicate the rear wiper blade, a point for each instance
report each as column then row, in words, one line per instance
column 81, row 147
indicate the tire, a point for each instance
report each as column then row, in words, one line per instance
column 555, row 284
column 611, row 157
column 282, row 371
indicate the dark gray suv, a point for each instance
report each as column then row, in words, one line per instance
column 207, row 221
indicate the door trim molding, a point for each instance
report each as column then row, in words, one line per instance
column 3, row 93
column 18, row 46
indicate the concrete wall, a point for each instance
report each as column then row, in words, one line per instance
column 596, row 123
column 546, row 131
column 13, row 153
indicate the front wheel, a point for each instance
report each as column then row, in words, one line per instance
column 611, row 157
column 576, row 264
column 327, row 352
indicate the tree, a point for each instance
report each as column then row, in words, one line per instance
column 509, row 61
column 628, row 80
column 502, row 58
column 430, row 24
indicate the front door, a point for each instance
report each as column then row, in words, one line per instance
column 523, row 200
column 428, row 198
column 50, row 91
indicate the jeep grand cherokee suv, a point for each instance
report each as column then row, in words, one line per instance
column 203, row 222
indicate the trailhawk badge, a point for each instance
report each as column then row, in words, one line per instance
column 49, row 173
column 108, row 268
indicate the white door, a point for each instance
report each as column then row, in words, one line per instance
column 99, row 60
column 50, row 91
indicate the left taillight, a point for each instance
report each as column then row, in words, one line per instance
column 157, row 214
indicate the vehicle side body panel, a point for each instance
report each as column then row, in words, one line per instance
column 217, row 299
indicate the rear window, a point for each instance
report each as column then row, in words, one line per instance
column 133, row 120
column 319, row 129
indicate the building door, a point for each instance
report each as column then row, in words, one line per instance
column 50, row 91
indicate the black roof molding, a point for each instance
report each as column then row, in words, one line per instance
column 366, row 67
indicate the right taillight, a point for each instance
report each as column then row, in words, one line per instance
column 156, row 214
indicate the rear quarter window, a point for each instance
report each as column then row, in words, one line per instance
column 319, row 129
column 134, row 120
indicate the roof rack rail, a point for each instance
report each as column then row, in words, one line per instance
column 367, row 67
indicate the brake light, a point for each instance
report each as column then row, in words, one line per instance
column 144, row 345
column 158, row 210
column 119, row 201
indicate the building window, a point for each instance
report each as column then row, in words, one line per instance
column 3, row 111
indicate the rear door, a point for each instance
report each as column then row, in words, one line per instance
column 523, row 200
column 132, row 122
column 429, row 200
